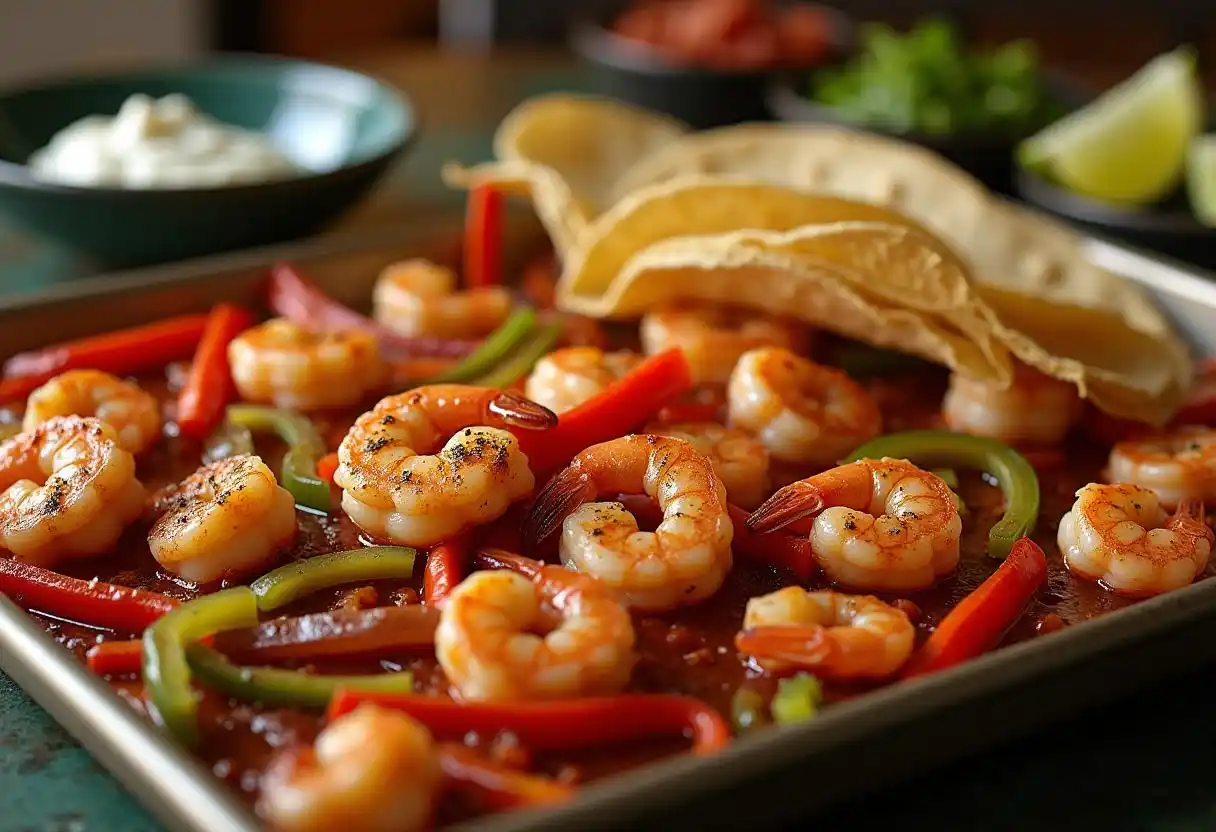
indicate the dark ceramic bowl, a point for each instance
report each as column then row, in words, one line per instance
column 342, row 128
column 988, row 157
column 702, row 98
column 1168, row 227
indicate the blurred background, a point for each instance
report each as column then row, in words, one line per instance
column 973, row 91
column 1102, row 40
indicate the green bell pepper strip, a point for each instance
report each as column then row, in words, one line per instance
column 797, row 699
column 1015, row 475
column 166, row 671
column 304, row 447
column 279, row 587
column 497, row 346
column 284, row 688
column 520, row 362
column 747, row 710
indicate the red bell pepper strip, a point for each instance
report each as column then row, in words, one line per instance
column 622, row 406
column 209, row 388
column 483, row 226
column 494, row 785
column 93, row 603
column 123, row 352
column 327, row 466
column 296, row 298
column 17, row 389
column 446, row 565
column 689, row 412
column 115, row 658
column 563, row 725
column 979, row 621
column 780, row 549
column 333, row 634
column 119, row 658
column 320, row 635
column 491, row 557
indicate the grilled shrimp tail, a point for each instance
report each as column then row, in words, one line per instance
column 795, row 502
column 801, row 646
column 1191, row 511
column 518, row 412
column 564, row 493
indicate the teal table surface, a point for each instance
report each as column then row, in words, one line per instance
column 1145, row 763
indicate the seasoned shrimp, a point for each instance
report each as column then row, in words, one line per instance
column 371, row 770
column 227, row 518
column 67, row 489
column 739, row 459
column 487, row 644
column 713, row 337
column 1177, row 466
column 281, row 363
column 1119, row 535
column 418, row 297
column 879, row 524
column 835, row 635
column 132, row 412
column 683, row 561
column 1035, row 408
column 566, row 378
column 401, row 483
column 803, row 412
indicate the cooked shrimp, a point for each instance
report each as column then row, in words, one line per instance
column 1119, row 535
column 1035, row 408
column 417, row 297
column 132, row 412
column 281, row 363
column 371, row 770
column 401, row 483
column 803, row 412
column 713, row 337
column 67, row 489
column 879, row 524
column 227, row 518
column 738, row 458
column 1177, row 466
column 487, row 644
column 835, row 635
column 566, row 378
column 683, row 561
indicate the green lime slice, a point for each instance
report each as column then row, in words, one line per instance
column 1201, row 178
column 1130, row 144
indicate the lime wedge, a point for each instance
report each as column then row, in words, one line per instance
column 1130, row 144
column 1201, row 179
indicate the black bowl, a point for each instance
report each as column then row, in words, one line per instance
column 702, row 98
column 344, row 129
column 988, row 156
column 1168, row 227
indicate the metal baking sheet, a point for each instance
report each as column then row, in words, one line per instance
column 782, row 773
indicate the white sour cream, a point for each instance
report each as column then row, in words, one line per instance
column 165, row 143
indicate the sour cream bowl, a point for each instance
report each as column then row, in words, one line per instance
column 220, row 155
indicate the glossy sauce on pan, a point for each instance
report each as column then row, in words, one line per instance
column 690, row 651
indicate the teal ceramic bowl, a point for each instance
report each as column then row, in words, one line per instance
column 341, row 128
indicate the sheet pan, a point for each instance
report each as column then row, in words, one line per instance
column 779, row 774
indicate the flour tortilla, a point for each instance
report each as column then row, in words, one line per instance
column 566, row 153
column 864, row 272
